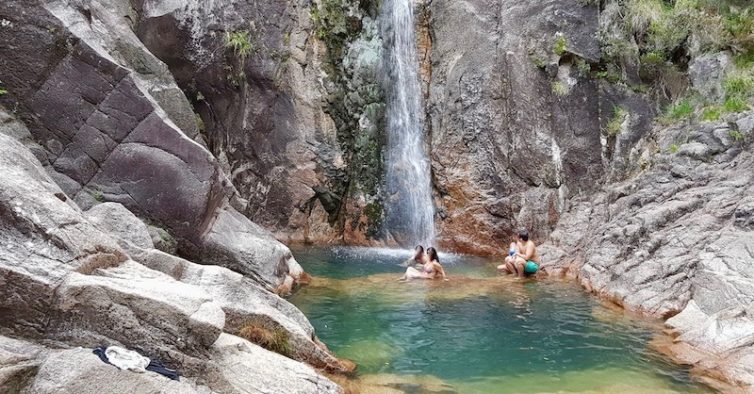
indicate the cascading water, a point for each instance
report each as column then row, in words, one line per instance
column 410, row 210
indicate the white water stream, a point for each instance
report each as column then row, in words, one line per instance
column 410, row 209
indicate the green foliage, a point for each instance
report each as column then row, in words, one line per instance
column 559, row 89
column 739, row 85
column 673, row 148
column 375, row 216
column 735, row 104
column 97, row 195
column 655, row 58
column 287, row 38
column 711, row 114
column 678, row 111
column 3, row 92
column 615, row 125
column 584, row 67
column 561, row 44
column 240, row 42
column 538, row 61
column 736, row 135
column 609, row 76
column 744, row 60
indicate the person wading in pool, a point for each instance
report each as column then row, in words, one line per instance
column 419, row 259
column 430, row 270
column 523, row 258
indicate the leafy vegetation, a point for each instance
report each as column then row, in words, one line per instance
column 736, row 135
column 615, row 125
column 735, row 104
column 3, row 92
column 584, row 67
column 711, row 114
column 561, row 44
column 559, row 88
column 673, row 148
column 680, row 110
column 240, row 42
column 538, row 61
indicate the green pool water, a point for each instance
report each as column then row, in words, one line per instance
column 478, row 333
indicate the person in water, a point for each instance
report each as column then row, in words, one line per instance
column 431, row 269
column 419, row 258
column 523, row 258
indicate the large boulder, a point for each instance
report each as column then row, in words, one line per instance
column 264, row 113
column 111, row 126
column 71, row 282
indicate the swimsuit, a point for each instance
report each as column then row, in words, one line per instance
column 531, row 268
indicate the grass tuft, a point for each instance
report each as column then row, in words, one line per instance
column 273, row 340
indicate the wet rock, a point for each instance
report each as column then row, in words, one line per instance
column 243, row 367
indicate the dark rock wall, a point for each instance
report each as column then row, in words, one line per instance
column 507, row 149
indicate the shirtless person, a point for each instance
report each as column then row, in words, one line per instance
column 524, row 259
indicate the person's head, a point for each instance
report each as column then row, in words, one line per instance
column 418, row 252
column 432, row 254
column 523, row 235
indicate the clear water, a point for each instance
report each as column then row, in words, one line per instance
column 410, row 213
column 478, row 333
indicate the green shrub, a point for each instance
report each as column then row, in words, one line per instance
column 735, row 104
column 538, row 61
column 561, row 44
column 654, row 58
column 739, row 85
column 736, row 135
column 240, row 42
column 711, row 114
column 615, row 125
column 3, row 92
column 681, row 110
column 559, row 88
column 584, row 67
column 673, row 148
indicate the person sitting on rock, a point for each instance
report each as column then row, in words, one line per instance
column 419, row 258
column 523, row 258
column 432, row 269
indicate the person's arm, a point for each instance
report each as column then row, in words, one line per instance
column 439, row 268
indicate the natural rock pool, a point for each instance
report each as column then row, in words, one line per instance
column 478, row 333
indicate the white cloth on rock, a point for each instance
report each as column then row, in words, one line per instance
column 126, row 359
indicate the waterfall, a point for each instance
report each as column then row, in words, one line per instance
column 410, row 209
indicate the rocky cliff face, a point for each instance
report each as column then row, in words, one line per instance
column 675, row 241
column 510, row 140
column 101, row 119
